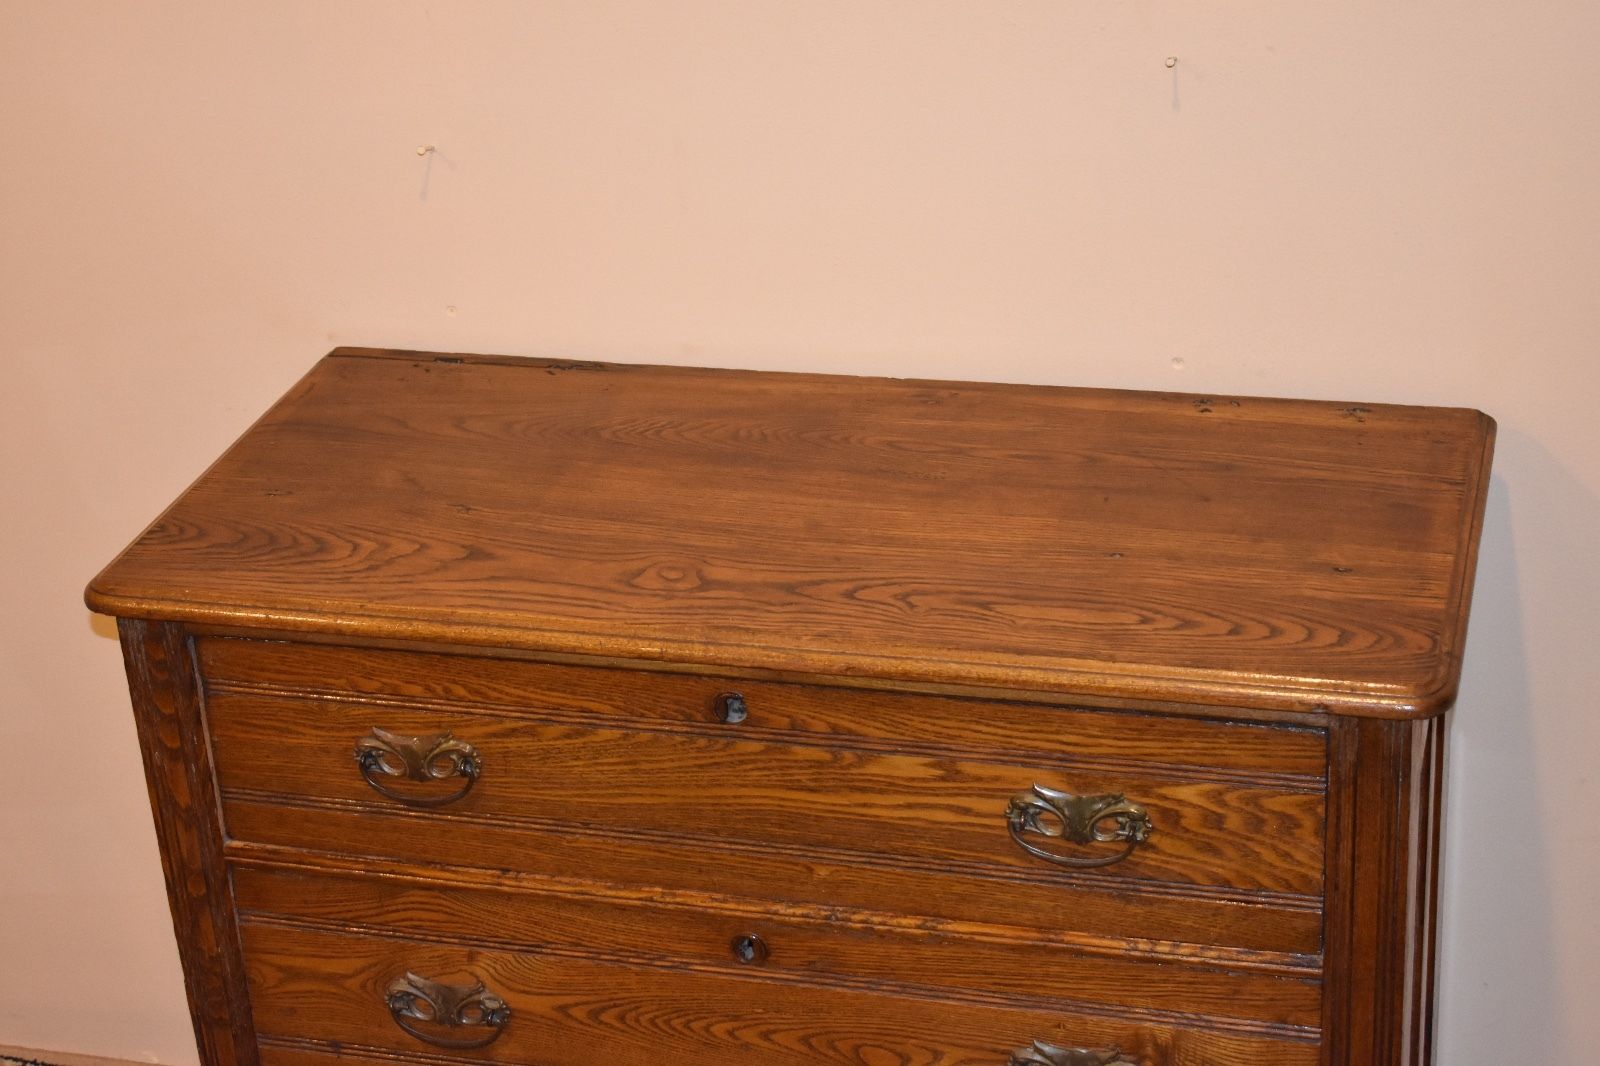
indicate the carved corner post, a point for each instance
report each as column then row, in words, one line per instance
column 1382, row 890
column 183, row 796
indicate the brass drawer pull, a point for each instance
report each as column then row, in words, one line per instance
column 385, row 756
column 422, row 1007
column 1054, row 815
column 1042, row 1054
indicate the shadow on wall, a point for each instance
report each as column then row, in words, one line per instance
column 1495, row 940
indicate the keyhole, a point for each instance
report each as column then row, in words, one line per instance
column 749, row 949
column 731, row 708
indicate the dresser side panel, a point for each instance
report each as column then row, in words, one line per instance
column 167, row 708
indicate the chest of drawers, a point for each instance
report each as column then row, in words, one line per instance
column 570, row 714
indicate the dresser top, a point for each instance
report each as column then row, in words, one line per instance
column 1112, row 546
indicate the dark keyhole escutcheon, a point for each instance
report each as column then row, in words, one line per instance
column 750, row 949
column 731, row 708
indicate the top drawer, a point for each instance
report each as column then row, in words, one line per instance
column 917, row 789
column 824, row 796
column 900, row 722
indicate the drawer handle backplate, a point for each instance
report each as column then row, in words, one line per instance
column 419, row 1006
column 385, row 757
column 1106, row 819
column 1042, row 1054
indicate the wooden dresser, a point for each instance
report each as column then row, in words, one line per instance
column 574, row 714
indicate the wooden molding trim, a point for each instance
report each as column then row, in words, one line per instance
column 165, row 689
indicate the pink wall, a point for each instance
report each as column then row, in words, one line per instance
column 1366, row 201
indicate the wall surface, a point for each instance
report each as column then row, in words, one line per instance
column 1366, row 201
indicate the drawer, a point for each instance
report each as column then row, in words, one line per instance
column 316, row 993
column 863, row 718
column 780, row 942
column 719, row 788
column 1060, row 902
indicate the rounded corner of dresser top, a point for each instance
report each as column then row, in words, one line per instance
column 106, row 595
column 1433, row 698
column 1421, row 696
column 100, row 601
column 1488, row 429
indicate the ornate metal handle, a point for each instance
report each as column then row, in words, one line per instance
column 1042, row 1054
column 384, row 755
column 413, row 1000
column 1045, row 812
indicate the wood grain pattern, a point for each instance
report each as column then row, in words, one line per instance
column 1141, row 913
column 1279, row 554
column 301, row 862
column 831, row 951
column 1244, row 614
column 778, row 712
column 1383, row 891
column 183, row 800
column 707, row 788
column 325, row 987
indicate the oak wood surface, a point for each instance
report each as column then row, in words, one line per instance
column 1383, row 891
column 300, row 862
column 313, row 985
column 1245, row 614
column 165, row 690
column 1136, row 912
column 779, row 712
column 828, row 950
column 1269, row 553
column 715, row 786
column 1315, row 719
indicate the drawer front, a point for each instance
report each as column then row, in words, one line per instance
column 859, row 717
column 938, row 894
column 790, row 943
column 315, row 992
column 915, row 808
